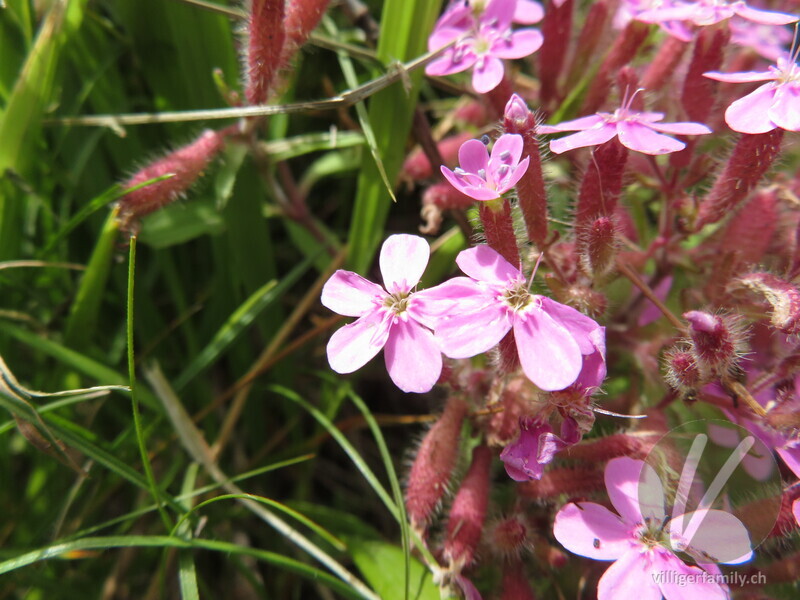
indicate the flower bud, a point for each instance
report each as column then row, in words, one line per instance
column 302, row 16
column 185, row 164
column 611, row 446
column 718, row 341
column 782, row 296
column 468, row 513
column 438, row 198
column 556, row 29
column 510, row 536
column 433, row 466
column 600, row 247
column 683, row 373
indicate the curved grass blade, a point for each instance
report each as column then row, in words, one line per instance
column 349, row 449
column 141, row 541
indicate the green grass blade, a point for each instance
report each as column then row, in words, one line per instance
column 137, row 419
column 405, row 27
column 83, row 315
column 394, row 482
column 349, row 449
column 154, row 541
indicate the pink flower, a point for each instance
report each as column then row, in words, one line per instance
column 643, row 541
column 393, row 318
column 774, row 104
column 709, row 12
column 483, row 177
column 767, row 40
column 552, row 339
column 481, row 42
column 636, row 130
column 536, row 447
column 629, row 10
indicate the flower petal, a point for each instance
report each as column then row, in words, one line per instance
column 549, row 355
column 584, row 329
column 403, row 260
column 508, row 142
column 488, row 76
column 589, row 137
column 523, row 42
column 447, row 65
column 743, row 77
column 473, row 156
column 750, row 114
column 634, row 489
column 469, row 334
column 499, row 11
column 469, row 185
column 574, row 125
column 485, row 264
column 412, row 356
column 528, row 12
column 785, row 110
column 713, row 535
column 629, row 577
column 674, row 575
column 791, row 456
column 641, row 138
column 459, row 294
column 514, row 175
column 593, row 531
column 682, row 128
column 349, row 294
column 765, row 17
column 354, row 345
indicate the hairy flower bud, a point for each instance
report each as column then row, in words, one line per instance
column 600, row 247
column 433, row 466
column 438, row 198
column 556, row 28
column 468, row 513
column 782, row 296
column 530, row 188
column 508, row 537
column 717, row 341
column 185, row 164
column 302, row 16
column 682, row 374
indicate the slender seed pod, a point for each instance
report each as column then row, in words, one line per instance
column 186, row 165
column 433, row 466
column 556, row 28
column 266, row 41
column 302, row 16
column 517, row 118
column 468, row 513
column 749, row 161
column 663, row 65
column 592, row 32
column 566, row 481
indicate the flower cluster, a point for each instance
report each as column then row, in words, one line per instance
column 461, row 318
column 481, row 36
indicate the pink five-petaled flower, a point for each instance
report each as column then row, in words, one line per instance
column 391, row 318
column 709, row 12
column 642, row 539
column 636, row 130
column 483, row 177
column 774, row 104
column 552, row 339
column 481, row 42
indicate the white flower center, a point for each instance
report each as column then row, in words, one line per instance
column 397, row 303
column 517, row 297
